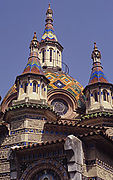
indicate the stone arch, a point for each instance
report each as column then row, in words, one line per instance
column 65, row 96
column 105, row 95
column 39, row 166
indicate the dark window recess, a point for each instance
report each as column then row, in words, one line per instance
column 43, row 56
column 34, row 87
column 25, row 88
column 96, row 97
column 50, row 55
column 104, row 95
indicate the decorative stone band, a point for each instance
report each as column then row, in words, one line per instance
column 37, row 131
column 100, row 163
column 104, row 171
column 95, row 115
column 91, row 178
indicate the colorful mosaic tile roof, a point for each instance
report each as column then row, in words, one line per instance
column 33, row 65
column 65, row 82
column 97, row 74
column 49, row 33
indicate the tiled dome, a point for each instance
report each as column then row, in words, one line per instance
column 65, row 82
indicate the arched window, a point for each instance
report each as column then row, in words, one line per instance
column 88, row 99
column 95, row 96
column 50, row 55
column 43, row 55
column 25, row 88
column 43, row 89
column 34, row 87
column 105, row 95
column 57, row 56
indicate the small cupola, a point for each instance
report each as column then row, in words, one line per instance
column 98, row 92
column 32, row 83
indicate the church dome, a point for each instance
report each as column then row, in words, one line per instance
column 65, row 94
column 65, row 82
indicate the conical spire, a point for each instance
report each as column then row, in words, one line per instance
column 97, row 74
column 49, row 30
column 33, row 65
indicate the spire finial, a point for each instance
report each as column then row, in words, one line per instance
column 49, row 30
column 49, row 6
column 95, row 46
column 96, row 55
column 34, row 43
column 34, row 37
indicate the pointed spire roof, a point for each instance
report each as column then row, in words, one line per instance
column 33, row 65
column 49, row 33
column 97, row 74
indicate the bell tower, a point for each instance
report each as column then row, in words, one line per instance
column 99, row 91
column 50, row 50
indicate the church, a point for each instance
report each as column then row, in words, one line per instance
column 51, row 128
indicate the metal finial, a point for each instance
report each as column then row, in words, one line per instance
column 34, row 37
column 49, row 6
column 95, row 46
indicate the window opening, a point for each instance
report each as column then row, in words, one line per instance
column 96, row 97
column 50, row 55
column 34, row 87
column 25, row 88
column 104, row 95
column 57, row 56
column 43, row 56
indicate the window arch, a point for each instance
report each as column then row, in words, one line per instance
column 105, row 95
column 34, row 87
column 43, row 55
column 25, row 87
column 43, row 89
column 51, row 54
column 88, row 98
column 95, row 96
column 57, row 57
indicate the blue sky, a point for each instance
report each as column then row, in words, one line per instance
column 77, row 23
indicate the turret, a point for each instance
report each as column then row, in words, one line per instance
column 50, row 50
column 99, row 91
column 32, row 83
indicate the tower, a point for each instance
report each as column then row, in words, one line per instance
column 50, row 50
column 32, row 83
column 99, row 91
column 31, row 105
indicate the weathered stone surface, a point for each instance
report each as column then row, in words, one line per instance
column 75, row 162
